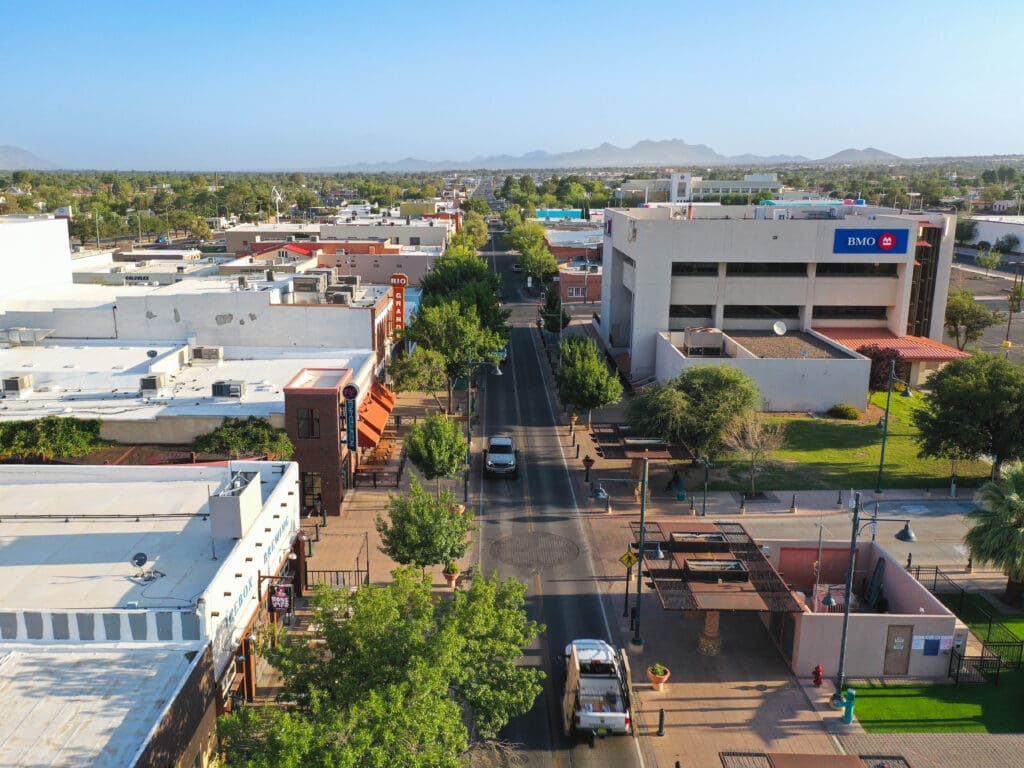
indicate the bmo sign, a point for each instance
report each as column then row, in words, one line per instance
column 870, row 241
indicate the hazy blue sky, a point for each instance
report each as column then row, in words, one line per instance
column 234, row 85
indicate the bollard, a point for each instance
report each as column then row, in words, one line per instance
column 743, row 503
column 792, row 505
column 839, row 501
column 608, row 504
column 910, row 560
column 970, row 565
column 574, row 438
column 848, row 702
column 661, row 722
column 632, row 619
column 316, row 528
column 577, row 450
column 692, row 510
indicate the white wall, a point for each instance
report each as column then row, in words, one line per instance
column 34, row 253
column 399, row 232
column 992, row 229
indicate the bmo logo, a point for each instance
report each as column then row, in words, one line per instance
column 870, row 241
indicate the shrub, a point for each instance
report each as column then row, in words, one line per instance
column 844, row 411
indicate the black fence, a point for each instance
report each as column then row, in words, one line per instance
column 338, row 579
column 975, row 669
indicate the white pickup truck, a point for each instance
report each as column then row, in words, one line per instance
column 597, row 689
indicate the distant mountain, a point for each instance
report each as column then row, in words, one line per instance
column 667, row 153
column 18, row 159
column 866, row 156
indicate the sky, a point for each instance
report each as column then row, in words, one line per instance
column 305, row 85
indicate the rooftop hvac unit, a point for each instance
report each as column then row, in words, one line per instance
column 229, row 388
column 349, row 280
column 153, row 383
column 243, row 282
column 16, row 385
column 341, row 298
column 208, row 353
column 117, row 270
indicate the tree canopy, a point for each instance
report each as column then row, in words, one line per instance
column 967, row 318
column 422, row 530
column 254, row 436
column 406, row 680
column 460, row 275
column 975, row 408
column 437, row 447
column 49, row 437
column 584, row 381
column 997, row 532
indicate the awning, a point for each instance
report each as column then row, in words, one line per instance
column 372, row 418
column 383, row 395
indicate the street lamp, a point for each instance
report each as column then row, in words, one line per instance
column 637, row 642
column 704, row 502
column 905, row 534
column 469, row 419
column 1014, row 306
column 98, row 217
column 885, row 420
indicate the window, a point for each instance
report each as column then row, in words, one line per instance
column 689, row 310
column 857, row 270
column 683, row 268
column 310, row 489
column 766, row 269
column 309, row 423
column 850, row 313
column 577, row 292
column 761, row 311
column 414, row 241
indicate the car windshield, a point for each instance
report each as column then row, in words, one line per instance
column 501, row 449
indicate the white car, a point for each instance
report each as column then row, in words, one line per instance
column 500, row 457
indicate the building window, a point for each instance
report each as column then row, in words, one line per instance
column 311, row 491
column 414, row 241
column 577, row 292
column 689, row 310
column 850, row 313
column 309, row 423
column 857, row 270
column 752, row 311
column 766, row 269
column 686, row 268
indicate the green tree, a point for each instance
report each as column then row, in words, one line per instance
column 254, row 436
column 460, row 275
column 882, row 359
column 997, row 534
column 49, row 437
column 553, row 315
column 975, row 408
column 526, row 235
column 967, row 318
column 437, row 447
column 454, row 331
column 966, row 229
column 475, row 205
column 475, row 229
column 754, row 438
column 988, row 260
column 1008, row 243
column 584, row 381
column 420, row 371
column 199, row 228
column 538, row 262
column 422, row 530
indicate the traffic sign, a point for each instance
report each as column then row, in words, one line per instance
column 629, row 559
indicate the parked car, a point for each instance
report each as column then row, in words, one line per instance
column 596, row 698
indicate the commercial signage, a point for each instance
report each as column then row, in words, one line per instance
column 350, row 423
column 870, row 241
column 398, row 284
column 281, row 598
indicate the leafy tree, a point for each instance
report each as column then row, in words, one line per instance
column 696, row 407
column 475, row 205
column 975, row 407
column 882, row 359
column 967, row 318
column 988, row 259
column 511, row 217
column 1007, row 243
column 421, row 371
column 460, row 275
column 422, row 530
column 526, row 235
column 538, row 262
column 475, row 229
column 454, row 331
column 966, row 229
column 584, row 381
column 254, row 436
column 997, row 533
column 755, row 438
column 553, row 314
column 199, row 228
column 49, row 437
column 437, row 447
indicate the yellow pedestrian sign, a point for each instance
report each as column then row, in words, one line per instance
column 629, row 559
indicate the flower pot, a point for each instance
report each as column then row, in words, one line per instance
column 658, row 680
column 451, row 578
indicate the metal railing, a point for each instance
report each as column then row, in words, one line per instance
column 338, row 579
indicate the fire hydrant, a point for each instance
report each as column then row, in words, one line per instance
column 819, row 675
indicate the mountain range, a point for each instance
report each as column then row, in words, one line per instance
column 667, row 153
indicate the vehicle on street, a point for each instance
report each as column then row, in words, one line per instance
column 597, row 692
column 503, row 355
column 501, row 457
column 517, row 267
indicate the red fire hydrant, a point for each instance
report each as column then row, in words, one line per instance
column 819, row 675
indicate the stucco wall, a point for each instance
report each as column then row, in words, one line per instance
column 171, row 430
column 33, row 254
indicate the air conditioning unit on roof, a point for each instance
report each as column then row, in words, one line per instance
column 153, row 383
column 229, row 388
column 15, row 386
column 215, row 354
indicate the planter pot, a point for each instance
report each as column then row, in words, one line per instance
column 657, row 681
column 451, row 578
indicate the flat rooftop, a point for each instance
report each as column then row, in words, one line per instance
column 101, row 380
column 319, row 378
column 80, row 526
column 795, row 344
column 74, row 706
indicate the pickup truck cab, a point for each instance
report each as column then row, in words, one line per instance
column 597, row 692
column 501, row 457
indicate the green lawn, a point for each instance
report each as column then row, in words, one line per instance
column 830, row 453
column 968, row 708
column 975, row 608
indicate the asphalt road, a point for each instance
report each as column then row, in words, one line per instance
column 530, row 528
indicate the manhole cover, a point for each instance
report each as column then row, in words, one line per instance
column 534, row 550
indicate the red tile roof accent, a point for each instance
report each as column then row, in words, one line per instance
column 911, row 348
column 304, row 250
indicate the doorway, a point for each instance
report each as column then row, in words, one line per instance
column 897, row 649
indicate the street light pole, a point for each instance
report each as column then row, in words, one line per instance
column 1014, row 306
column 637, row 641
column 885, row 426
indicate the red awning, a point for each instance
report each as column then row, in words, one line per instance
column 923, row 244
column 367, row 437
column 383, row 395
column 372, row 418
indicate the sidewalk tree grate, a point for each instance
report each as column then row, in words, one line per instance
column 534, row 550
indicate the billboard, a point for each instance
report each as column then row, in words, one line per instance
column 871, row 241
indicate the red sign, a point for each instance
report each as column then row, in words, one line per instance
column 398, row 284
column 887, row 241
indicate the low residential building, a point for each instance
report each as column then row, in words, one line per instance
column 691, row 285
column 128, row 615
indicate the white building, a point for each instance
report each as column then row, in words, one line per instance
column 34, row 253
column 992, row 228
column 685, row 187
column 690, row 285
column 128, row 601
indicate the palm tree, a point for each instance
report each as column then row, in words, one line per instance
column 997, row 536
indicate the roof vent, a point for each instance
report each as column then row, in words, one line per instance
column 229, row 388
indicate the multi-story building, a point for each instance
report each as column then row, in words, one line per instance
column 685, row 187
column 761, row 288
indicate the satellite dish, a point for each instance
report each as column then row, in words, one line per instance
column 779, row 328
column 139, row 559
column 151, row 353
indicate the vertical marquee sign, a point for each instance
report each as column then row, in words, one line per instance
column 350, row 392
column 398, row 284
